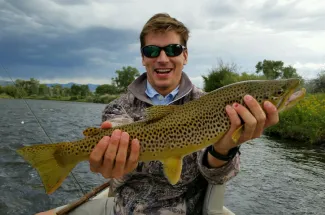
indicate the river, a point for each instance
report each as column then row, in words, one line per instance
column 276, row 177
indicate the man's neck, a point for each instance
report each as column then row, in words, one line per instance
column 162, row 91
column 165, row 92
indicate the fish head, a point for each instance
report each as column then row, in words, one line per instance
column 283, row 93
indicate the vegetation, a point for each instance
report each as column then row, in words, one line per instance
column 225, row 74
column 304, row 122
column 33, row 89
column 125, row 77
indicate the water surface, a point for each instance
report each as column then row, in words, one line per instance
column 276, row 177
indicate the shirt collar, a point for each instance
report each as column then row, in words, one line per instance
column 151, row 92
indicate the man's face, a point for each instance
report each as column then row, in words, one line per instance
column 164, row 73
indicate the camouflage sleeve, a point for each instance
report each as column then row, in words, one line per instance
column 221, row 174
column 115, row 113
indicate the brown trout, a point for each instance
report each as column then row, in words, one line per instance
column 168, row 132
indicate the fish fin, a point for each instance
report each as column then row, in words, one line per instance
column 51, row 166
column 236, row 135
column 159, row 111
column 173, row 169
column 91, row 131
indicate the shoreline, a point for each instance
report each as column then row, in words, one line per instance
column 103, row 99
column 309, row 113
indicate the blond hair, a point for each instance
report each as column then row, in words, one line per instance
column 162, row 22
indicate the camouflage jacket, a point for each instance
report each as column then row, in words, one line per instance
column 146, row 190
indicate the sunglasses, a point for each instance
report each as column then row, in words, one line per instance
column 172, row 50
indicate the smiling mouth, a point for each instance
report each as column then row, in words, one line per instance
column 163, row 71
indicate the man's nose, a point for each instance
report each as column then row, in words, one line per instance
column 162, row 58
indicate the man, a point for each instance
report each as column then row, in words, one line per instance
column 142, row 187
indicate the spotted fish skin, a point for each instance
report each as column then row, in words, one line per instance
column 167, row 134
column 182, row 129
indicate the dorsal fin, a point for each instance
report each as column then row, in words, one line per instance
column 159, row 111
column 91, row 131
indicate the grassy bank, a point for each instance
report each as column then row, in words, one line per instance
column 103, row 99
column 5, row 96
column 305, row 122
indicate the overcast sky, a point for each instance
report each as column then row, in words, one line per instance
column 85, row 41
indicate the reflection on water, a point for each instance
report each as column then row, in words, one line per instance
column 276, row 177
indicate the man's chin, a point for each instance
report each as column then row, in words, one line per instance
column 163, row 84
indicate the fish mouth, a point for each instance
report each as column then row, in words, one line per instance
column 293, row 96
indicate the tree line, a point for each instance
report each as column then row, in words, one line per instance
column 223, row 74
column 34, row 89
column 227, row 73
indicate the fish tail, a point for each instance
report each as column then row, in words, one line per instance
column 51, row 163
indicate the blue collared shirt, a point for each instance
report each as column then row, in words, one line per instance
column 158, row 99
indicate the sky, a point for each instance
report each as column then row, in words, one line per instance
column 86, row 41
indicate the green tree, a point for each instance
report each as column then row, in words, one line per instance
column 289, row 72
column 271, row 69
column 318, row 84
column 66, row 91
column 106, row 89
column 43, row 90
column 75, row 90
column 33, row 86
column 12, row 91
column 275, row 69
column 57, row 90
column 220, row 76
column 125, row 76
column 84, row 90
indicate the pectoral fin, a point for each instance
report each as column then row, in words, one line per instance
column 173, row 169
column 236, row 135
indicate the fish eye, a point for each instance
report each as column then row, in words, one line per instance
column 280, row 91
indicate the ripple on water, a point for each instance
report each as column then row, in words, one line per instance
column 276, row 177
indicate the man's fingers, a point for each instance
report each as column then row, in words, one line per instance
column 96, row 156
column 120, row 159
column 106, row 125
column 249, row 120
column 259, row 114
column 272, row 114
column 132, row 161
column 234, row 119
column 110, row 154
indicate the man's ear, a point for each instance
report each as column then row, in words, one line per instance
column 143, row 64
column 185, row 54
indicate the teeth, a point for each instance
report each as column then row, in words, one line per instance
column 163, row 70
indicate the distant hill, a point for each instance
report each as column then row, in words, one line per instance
column 92, row 87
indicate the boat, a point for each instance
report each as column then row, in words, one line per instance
column 213, row 201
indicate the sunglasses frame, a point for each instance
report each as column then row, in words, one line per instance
column 163, row 48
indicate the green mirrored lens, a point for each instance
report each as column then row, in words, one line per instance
column 173, row 50
column 170, row 50
column 151, row 51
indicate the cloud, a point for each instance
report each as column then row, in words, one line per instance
column 87, row 40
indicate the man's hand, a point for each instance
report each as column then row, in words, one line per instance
column 255, row 121
column 109, row 156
